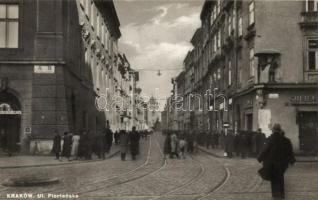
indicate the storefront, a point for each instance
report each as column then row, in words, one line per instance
column 295, row 108
column 10, row 122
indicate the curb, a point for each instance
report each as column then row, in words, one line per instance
column 66, row 163
column 297, row 159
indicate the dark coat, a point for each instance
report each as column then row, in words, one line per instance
column 229, row 143
column 67, row 146
column 167, row 145
column 124, row 140
column 276, row 155
column 57, row 144
column 243, row 143
column 134, row 138
column 108, row 138
column 84, row 145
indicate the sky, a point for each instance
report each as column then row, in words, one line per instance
column 156, row 34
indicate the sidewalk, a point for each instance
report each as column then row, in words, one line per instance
column 21, row 161
column 220, row 154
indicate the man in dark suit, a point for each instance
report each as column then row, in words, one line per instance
column 134, row 138
column 276, row 156
column 108, row 137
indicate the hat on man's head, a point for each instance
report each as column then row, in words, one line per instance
column 277, row 128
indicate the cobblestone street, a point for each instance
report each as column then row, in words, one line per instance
column 200, row 176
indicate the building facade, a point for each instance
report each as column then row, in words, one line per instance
column 56, row 57
column 246, row 57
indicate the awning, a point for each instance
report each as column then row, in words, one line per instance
column 267, row 52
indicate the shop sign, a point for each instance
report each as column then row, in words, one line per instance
column 10, row 112
column 226, row 125
column 306, row 99
column 273, row 96
column 44, row 69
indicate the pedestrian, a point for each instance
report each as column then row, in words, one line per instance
column 174, row 146
column 182, row 146
column 67, row 146
column 84, row 146
column 116, row 137
column 276, row 156
column 57, row 145
column 190, row 141
column 75, row 145
column 229, row 144
column 243, row 145
column 236, row 144
column 134, row 138
column 108, row 137
column 209, row 140
column 124, row 140
column 100, row 145
column 167, row 145
column 259, row 140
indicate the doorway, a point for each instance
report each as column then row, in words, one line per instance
column 10, row 132
column 249, row 122
column 10, row 121
column 308, row 132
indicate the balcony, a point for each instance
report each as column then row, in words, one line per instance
column 309, row 20
column 311, row 76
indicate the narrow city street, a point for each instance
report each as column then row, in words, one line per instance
column 199, row 176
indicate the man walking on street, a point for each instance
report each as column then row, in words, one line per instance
column 108, row 137
column 134, row 138
column 276, row 156
column 123, row 137
column 57, row 144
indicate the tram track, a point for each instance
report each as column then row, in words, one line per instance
column 121, row 179
column 114, row 180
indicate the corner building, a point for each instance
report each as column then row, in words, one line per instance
column 56, row 57
column 263, row 56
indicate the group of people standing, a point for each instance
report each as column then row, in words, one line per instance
column 129, row 141
column 75, row 146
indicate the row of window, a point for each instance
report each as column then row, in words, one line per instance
column 97, row 23
column 231, row 20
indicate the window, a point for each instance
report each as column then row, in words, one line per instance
column 311, row 5
column 219, row 74
column 93, row 15
column 252, row 62
column 87, row 7
column 212, row 17
column 229, row 24
column 106, row 38
column 214, row 44
column 103, row 33
column 9, row 25
column 214, row 12
column 98, row 25
column 240, row 26
column 313, row 54
column 219, row 6
column 230, row 73
column 219, row 38
column 251, row 13
column 233, row 19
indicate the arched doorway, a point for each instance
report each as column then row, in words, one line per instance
column 10, row 121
